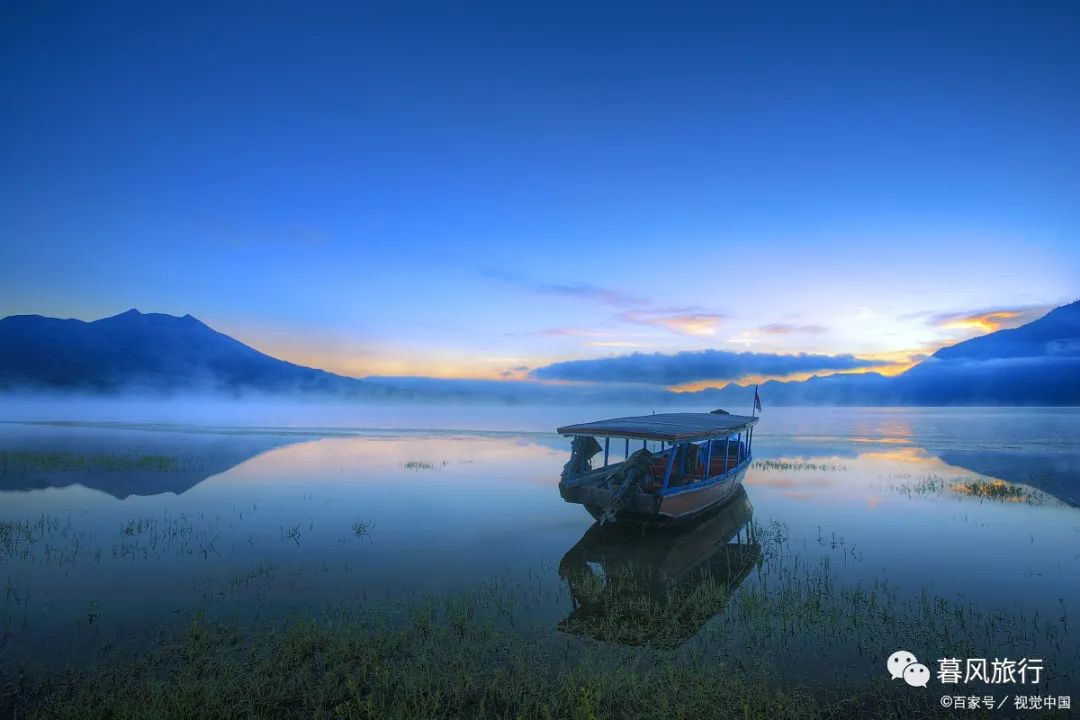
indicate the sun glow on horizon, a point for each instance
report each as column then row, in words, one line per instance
column 514, row 356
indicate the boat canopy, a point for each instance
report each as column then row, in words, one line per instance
column 670, row 427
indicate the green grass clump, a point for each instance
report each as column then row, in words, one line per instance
column 363, row 528
column 434, row 666
column 426, row 465
column 757, row 631
column 20, row 462
column 971, row 486
column 795, row 466
column 995, row 489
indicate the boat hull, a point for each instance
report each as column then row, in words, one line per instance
column 675, row 506
column 640, row 505
column 686, row 503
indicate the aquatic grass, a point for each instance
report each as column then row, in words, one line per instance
column 639, row 652
column 969, row 486
column 362, row 529
column 994, row 489
column 796, row 466
column 21, row 462
column 51, row 539
column 790, row 607
column 440, row 663
column 262, row 573
column 712, row 645
column 925, row 485
column 150, row 538
column 291, row 533
column 624, row 610
column 424, row 464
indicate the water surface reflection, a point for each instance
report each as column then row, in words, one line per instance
column 658, row 586
column 140, row 527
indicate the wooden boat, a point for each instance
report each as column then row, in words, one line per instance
column 656, row 468
column 658, row 585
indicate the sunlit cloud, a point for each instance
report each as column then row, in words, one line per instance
column 882, row 364
column 636, row 310
column 897, row 361
column 978, row 322
column 791, row 329
column 683, row 321
column 774, row 334
column 686, row 367
column 751, row 379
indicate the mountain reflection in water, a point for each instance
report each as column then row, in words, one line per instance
column 658, row 586
column 125, row 462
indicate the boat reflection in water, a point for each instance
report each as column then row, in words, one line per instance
column 658, row 586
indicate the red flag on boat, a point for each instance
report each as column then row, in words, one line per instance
column 757, row 400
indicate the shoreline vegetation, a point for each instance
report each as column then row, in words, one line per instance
column 22, row 462
column 972, row 486
column 485, row 653
column 437, row 667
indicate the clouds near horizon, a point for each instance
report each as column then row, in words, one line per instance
column 988, row 320
column 692, row 366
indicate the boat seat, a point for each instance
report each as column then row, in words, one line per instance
column 716, row 467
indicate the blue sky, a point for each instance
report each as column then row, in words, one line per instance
column 397, row 188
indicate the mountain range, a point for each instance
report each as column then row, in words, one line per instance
column 151, row 351
column 1035, row 364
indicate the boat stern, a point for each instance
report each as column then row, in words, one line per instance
column 597, row 499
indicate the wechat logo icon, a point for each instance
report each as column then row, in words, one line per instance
column 902, row 664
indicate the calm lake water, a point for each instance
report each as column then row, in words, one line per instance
column 113, row 533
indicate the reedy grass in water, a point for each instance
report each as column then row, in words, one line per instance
column 363, row 528
column 443, row 663
column 52, row 540
column 480, row 654
column 996, row 489
column 970, row 486
column 21, row 462
column 795, row 466
column 424, row 464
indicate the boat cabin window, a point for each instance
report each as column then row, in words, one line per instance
column 689, row 462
